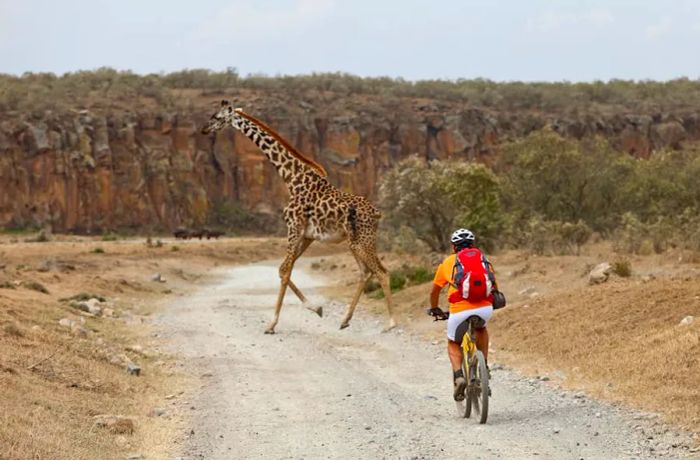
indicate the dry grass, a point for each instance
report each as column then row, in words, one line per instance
column 620, row 341
column 54, row 382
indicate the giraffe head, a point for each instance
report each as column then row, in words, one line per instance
column 221, row 118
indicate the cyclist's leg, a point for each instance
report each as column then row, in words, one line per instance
column 481, row 335
column 454, row 351
column 482, row 341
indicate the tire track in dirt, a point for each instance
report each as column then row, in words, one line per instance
column 313, row 391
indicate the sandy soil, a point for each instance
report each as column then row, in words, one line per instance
column 314, row 391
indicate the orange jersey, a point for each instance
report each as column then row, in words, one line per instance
column 443, row 276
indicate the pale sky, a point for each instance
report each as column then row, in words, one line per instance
column 503, row 40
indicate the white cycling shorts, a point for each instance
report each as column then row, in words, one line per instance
column 456, row 319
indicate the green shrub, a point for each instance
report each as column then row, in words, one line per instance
column 98, row 250
column 622, row 267
column 563, row 180
column 630, row 235
column 36, row 286
column 372, row 285
column 432, row 199
column 396, row 281
column 399, row 279
column 636, row 237
column 420, row 275
column 551, row 237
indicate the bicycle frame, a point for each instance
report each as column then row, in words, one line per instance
column 469, row 352
column 468, row 344
column 477, row 378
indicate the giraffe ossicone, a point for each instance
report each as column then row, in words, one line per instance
column 317, row 211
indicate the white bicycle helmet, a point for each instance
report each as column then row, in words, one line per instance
column 462, row 237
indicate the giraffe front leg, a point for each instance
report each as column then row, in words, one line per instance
column 297, row 245
column 318, row 310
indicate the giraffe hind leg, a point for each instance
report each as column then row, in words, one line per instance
column 384, row 279
column 364, row 278
column 284, row 281
column 371, row 265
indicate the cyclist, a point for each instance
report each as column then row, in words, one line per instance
column 461, row 309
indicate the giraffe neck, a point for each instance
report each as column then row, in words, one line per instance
column 286, row 160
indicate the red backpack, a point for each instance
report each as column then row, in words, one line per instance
column 470, row 277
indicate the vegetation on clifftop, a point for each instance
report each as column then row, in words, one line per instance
column 32, row 91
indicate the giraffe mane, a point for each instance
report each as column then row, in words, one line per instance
column 294, row 152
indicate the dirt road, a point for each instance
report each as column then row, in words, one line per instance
column 313, row 391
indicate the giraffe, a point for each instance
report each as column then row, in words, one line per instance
column 316, row 211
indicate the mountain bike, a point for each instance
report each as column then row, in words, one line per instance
column 476, row 393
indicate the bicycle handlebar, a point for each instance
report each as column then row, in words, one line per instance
column 438, row 314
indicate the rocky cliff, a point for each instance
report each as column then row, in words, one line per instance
column 109, row 167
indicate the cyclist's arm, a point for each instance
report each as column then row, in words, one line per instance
column 491, row 272
column 435, row 296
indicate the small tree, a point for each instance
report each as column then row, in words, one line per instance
column 435, row 198
column 564, row 180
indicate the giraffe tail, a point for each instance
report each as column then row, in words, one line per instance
column 352, row 220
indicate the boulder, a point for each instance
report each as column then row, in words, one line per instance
column 687, row 321
column 600, row 273
column 79, row 331
column 133, row 369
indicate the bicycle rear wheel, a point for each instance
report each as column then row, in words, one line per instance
column 481, row 392
column 477, row 393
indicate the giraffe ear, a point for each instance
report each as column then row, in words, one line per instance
column 224, row 103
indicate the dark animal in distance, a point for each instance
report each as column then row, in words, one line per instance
column 185, row 233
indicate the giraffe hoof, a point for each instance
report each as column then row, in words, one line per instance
column 344, row 325
column 269, row 331
column 317, row 310
column 389, row 327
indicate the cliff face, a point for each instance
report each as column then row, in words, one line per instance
column 98, row 169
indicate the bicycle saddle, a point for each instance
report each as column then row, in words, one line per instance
column 463, row 327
